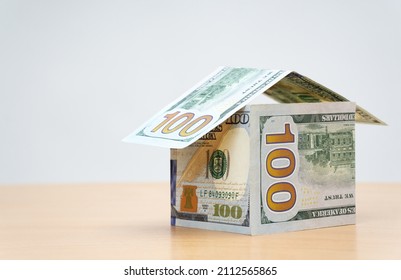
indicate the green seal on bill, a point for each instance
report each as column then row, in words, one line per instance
column 218, row 164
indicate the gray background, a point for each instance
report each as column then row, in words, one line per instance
column 78, row 76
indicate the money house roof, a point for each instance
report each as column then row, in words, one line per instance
column 224, row 92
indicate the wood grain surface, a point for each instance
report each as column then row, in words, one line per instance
column 132, row 221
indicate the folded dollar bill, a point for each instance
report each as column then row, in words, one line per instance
column 257, row 169
column 224, row 92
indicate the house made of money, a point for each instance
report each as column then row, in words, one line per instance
column 260, row 168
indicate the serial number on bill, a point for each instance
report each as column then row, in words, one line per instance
column 219, row 194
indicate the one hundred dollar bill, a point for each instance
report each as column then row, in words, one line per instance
column 307, row 166
column 296, row 88
column 205, row 106
column 210, row 177
column 269, row 168
column 223, row 93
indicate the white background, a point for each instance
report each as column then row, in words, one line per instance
column 78, row 76
column 115, row 269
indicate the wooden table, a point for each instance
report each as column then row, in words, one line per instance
column 131, row 221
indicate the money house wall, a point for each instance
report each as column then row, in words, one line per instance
column 217, row 184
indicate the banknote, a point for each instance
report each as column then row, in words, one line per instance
column 307, row 160
column 223, row 93
column 296, row 88
column 210, row 177
column 205, row 106
column 269, row 168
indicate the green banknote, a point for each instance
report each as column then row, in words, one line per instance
column 205, row 106
column 223, row 93
column 296, row 88
column 310, row 173
column 269, row 168
column 210, row 177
